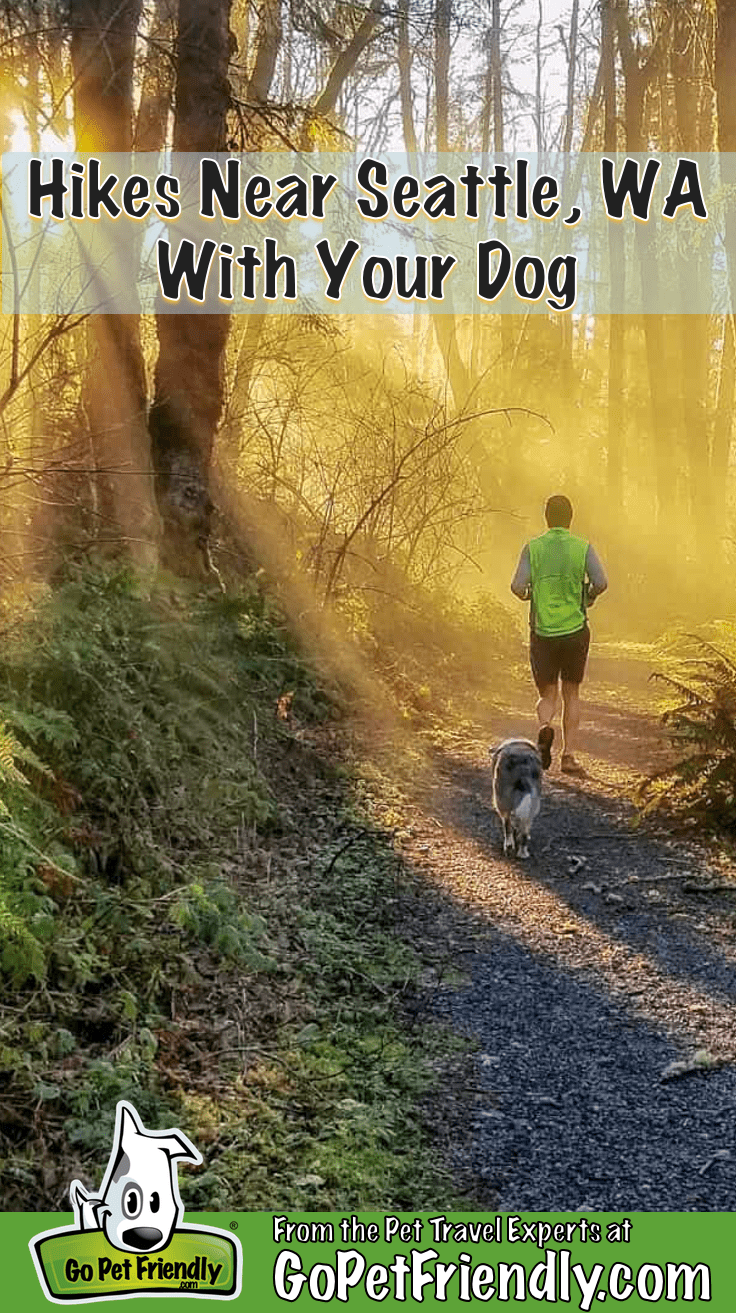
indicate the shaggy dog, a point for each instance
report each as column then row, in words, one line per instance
column 517, row 791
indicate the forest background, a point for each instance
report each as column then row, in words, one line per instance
column 339, row 428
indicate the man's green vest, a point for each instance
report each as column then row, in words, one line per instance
column 558, row 581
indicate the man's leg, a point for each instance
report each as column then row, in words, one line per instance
column 548, row 704
column 547, row 708
column 570, row 727
column 572, row 673
column 546, row 672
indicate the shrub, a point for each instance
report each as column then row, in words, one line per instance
column 701, row 783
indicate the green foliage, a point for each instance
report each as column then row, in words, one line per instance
column 334, row 1127
column 211, row 914
column 149, row 951
column 126, row 774
column 327, row 1119
column 701, row 721
column 26, row 911
column 144, row 762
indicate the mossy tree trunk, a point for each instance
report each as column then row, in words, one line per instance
column 189, row 378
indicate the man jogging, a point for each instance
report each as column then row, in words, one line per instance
column 561, row 576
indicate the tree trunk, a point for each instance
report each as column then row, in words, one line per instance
column 342, row 68
column 497, row 67
column 572, row 53
column 403, row 59
column 636, row 79
column 725, row 71
column 157, row 80
column 445, row 325
column 538, row 111
column 404, row 64
column 270, row 31
column 572, row 50
column 726, row 102
column 270, row 36
column 723, row 430
column 496, row 63
column 693, row 329
column 189, row 378
column 443, row 13
column 726, row 75
column 102, row 49
column 616, row 421
column 458, row 376
column 493, row 113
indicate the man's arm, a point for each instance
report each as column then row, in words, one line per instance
column 596, row 574
column 522, row 580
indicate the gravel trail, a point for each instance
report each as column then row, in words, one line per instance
column 601, row 984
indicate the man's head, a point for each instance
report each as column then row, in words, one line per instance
column 558, row 512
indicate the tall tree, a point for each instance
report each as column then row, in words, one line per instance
column 640, row 66
column 189, row 377
column 572, row 68
column 686, row 59
column 445, row 325
column 156, row 79
column 571, row 52
column 443, row 16
column 343, row 65
column 270, row 32
column 404, row 62
column 496, row 68
column 725, row 75
column 538, row 98
column 255, row 124
column 725, row 80
column 497, row 73
column 616, row 430
column 103, row 35
column 103, row 46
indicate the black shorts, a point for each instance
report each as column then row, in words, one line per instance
column 563, row 657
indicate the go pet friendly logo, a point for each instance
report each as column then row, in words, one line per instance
column 127, row 1240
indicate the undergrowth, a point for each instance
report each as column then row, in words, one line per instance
column 436, row 649
column 699, row 681
column 195, row 915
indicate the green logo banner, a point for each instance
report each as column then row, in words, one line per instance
column 581, row 1261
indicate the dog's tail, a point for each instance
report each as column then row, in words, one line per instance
column 523, row 808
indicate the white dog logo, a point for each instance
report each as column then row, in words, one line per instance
column 138, row 1205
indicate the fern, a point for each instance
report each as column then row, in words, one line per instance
column 21, row 954
column 9, row 750
column 701, row 723
column 52, row 725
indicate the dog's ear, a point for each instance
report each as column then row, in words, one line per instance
column 88, row 1209
column 493, row 751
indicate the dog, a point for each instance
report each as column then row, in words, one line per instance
column 138, row 1205
column 517, row 791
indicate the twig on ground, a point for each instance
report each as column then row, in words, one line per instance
column 359, row 834
column 710, row 888
column 716, row 1157
column 650, row 879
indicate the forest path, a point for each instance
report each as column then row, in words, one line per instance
column 592, row 968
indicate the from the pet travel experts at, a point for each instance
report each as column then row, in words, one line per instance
column 561, row 576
